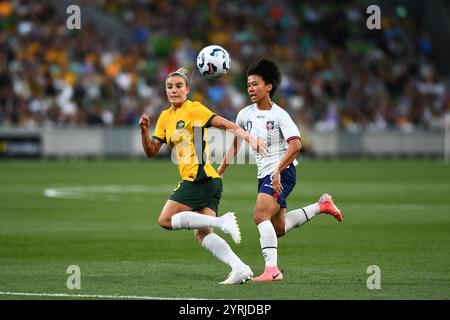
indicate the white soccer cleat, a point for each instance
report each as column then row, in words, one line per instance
column 230, row 226
column 239, row 276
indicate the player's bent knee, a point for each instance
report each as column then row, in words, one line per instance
column 202, row 233
column 260, row 215
column 280, row 232
column 165, row 223
column 258, row 218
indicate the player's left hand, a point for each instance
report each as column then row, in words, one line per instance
column 262, row 147
column 276, row 182
column 258, row 145
column 221, row 171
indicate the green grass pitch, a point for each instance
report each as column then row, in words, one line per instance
column 102, row 217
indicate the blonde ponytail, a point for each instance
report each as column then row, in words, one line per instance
column 181, row 72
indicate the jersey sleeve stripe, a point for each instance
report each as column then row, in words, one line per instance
column 293, row 138
column 160, row 139
column 208, row 123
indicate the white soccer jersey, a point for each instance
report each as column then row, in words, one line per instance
column 275, row 127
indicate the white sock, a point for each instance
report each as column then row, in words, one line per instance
column 298, row 217
column 269, row 242
column 194, row 220
column 222, row 251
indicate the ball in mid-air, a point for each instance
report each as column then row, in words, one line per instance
column 213, row 62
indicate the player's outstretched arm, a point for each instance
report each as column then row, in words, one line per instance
column 257, row 144
column 151, row 146
column 229, row 156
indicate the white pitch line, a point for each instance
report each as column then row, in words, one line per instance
column 98, row 296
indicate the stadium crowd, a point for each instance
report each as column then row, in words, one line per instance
column 337, row 74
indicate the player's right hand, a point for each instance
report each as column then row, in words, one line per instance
column 276, row 182
column 144, row 121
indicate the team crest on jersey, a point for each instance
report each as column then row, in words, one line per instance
column 180, row 124
column 270, row 125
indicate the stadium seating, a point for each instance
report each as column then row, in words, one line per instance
column 337, row 74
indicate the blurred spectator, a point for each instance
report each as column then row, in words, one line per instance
column 336, row 73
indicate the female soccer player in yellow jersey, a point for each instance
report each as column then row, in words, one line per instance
column 194, row 203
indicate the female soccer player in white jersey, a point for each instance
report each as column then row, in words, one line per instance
column 276, row 172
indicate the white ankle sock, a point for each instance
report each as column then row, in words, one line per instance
column 221, row 250
column 194, row 220
column 269, row 242
column 298, row 217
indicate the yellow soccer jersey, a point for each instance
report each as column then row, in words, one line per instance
column 184, row 131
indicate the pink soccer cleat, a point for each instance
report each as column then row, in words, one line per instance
column 270, row 274
column 327, row 206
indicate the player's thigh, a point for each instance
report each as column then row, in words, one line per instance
column 266, row 207
column 278, row 221
column 202, row 233
column 170, row 208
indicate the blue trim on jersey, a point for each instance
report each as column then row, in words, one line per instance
column 288, row 180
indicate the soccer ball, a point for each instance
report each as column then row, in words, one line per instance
column 213, row 62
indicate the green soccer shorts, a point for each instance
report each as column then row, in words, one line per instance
column 200, row 194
